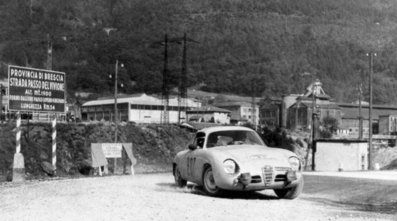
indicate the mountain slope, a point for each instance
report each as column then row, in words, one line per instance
column 244, row 47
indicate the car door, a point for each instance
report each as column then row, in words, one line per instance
column 196, row 160
column 192, row 156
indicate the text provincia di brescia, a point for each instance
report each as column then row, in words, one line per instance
column 36, row 80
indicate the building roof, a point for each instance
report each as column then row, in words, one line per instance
column 352, row 111
column 211, row 95
column 235, row 104
column 306, row 103
column 377, row 106
column 142, row 99
column 208, row 109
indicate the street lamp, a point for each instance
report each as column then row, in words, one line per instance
column 115, row 97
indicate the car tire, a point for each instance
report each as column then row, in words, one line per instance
column 290, row 193
column 179, row 181
column 209, row 184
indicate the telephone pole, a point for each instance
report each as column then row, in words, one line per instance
column 1, row 103
column 360, row 118
column 370, row 146
column 182, row 84
column 165, row 92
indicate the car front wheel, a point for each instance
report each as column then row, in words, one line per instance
column 290, row 193
column 180, row 182
column 209, row 182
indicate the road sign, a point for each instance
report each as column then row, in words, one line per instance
column 36, row 90
column 112, row 150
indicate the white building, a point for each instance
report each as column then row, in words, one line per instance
column 241, row 112
column 139, row 108
column 209, row 114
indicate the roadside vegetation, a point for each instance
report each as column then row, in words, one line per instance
column 154, row 147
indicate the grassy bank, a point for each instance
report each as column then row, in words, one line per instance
column 154, row 146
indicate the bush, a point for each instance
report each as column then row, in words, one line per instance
column 329, row 126
column 277, row 138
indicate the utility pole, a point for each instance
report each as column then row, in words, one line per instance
column 1, row 103
column 253, row 105
column 314, row 118
column 370, row 146
column 115, row 111
column 182, row 84
column 115, row 101
column 165, row 95
column 360, row 118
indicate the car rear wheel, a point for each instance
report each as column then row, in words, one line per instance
column 180, row 182
column 290, row 193
column 209, row 182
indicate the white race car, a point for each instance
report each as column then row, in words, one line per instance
column 235, row 158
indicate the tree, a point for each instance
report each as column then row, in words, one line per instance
column 329, row 125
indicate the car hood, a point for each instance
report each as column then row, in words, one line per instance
column 251, row 153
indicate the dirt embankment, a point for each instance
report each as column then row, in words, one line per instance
column 154, row 146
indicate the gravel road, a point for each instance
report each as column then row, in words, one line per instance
column 155, row 197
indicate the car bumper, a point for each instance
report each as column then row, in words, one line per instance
column 273, row 178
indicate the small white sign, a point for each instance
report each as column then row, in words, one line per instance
column 112, row 150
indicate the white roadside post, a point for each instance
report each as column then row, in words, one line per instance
column 18, row 133
column 54, row 143
column 18, row 168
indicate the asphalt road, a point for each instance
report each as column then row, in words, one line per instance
column 155, row 197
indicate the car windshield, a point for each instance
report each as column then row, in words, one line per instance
column 233, row 137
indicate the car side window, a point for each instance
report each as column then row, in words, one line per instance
column 212, row 140
column 199, row 141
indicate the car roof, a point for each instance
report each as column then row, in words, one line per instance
column 224, row 128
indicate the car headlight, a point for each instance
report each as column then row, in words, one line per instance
column 230, row 166
column 294, row 162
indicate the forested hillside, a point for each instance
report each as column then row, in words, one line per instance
column 239, row 44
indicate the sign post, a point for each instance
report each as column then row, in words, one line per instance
column 36, row 90
column 18, row 167
column 54, row 143
column 112, row 150
column 101, row 151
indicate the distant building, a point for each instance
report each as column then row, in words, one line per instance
column 139, row 108
column 295, row 112
column 388, row 124
column 241, row 112
column 350, row 118
column 209, row 114
column 270, row 112
column 300, row 113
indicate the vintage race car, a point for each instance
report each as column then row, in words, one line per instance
column 235, row 158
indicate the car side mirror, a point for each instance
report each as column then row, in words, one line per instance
column 192, row 146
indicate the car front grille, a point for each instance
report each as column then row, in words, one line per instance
column 280, row 178
column 268, row 174
column 256, row 179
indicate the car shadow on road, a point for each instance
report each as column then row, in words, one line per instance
column 198, row 190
